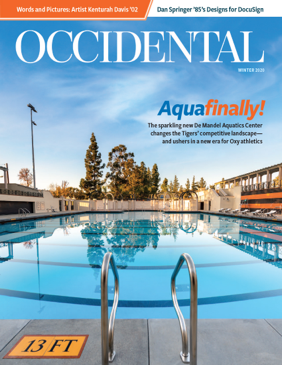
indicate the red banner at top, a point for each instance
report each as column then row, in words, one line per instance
column 75, row 10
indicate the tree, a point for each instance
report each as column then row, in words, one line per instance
column 61, row 190
column 55, row 190
column 71, row 192
column 26, row 176
column 119, row 163
column 155, row 179
column 150, row 182
column 93, row 182
column 195, row 185
column 144, row 189
column 64, row 185
column 187, row 185
column 134, row 175
column 170, row 187
column 164, row 186
column 79, row 194
column 144, row 172
column 202, row 183
column 277, row 181
column 175, row 184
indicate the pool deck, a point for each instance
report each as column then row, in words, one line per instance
column 157, row 341
column 277, row 218
column 19, row 218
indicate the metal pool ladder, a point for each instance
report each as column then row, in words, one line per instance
column 107, row 327
column 187, row 357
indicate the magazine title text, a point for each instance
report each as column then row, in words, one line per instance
column 146, row 48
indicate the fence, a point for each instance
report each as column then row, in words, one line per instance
column 128, row 205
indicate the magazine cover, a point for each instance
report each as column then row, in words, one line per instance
column 140, row 182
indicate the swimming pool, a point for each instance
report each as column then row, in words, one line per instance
column 50, row 268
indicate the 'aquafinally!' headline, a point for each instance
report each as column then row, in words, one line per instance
column 212, row 108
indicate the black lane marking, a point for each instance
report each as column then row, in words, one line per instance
column 141, row 303
column 124, row 267
column 143, row 246
column 223, row 244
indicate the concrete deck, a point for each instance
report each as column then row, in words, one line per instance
column 131, row 340
column 278, row 218
column 220, row 342
column 157, row 341
column 18, row 217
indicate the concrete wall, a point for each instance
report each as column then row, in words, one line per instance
column 210, row 195
column 47, row 203
column 40, row 205
column 236, row 192
column 50, row 202
column 232, row 200
column 16, row 198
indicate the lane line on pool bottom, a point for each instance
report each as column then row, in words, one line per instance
column 124, row 267
column 140, row 303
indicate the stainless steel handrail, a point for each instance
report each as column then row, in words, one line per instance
column 184, row 354
column 21, row 211
column 107, row 326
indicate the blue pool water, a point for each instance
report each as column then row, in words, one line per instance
column 50, row 268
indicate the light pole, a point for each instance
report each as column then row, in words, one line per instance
column 32, row 123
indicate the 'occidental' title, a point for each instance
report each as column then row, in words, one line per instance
column 146, row 47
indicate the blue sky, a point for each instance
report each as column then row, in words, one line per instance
column 116, row 101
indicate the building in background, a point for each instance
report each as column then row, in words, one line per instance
column 261, row 189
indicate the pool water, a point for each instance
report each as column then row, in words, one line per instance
column 50, row 268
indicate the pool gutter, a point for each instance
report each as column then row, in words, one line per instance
column 35, row 216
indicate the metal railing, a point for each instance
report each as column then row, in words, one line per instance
column 21, row 193
column 23, row 211
column 107, row 326
column 262, row 186
column 187, row 357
